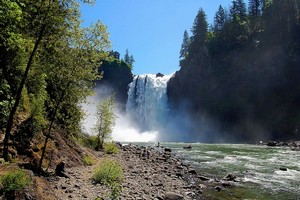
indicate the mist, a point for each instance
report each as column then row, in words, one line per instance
column 125, row 129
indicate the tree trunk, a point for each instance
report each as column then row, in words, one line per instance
column 18, row 95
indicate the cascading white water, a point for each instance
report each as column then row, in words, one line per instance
column 147, row 102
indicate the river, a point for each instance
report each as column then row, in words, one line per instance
column 257, row 168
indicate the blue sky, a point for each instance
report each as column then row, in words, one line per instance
column 152, row 30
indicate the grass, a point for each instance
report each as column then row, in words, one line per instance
column 12, row 181
column 110, row 148
column 109, row 173
column 88, row 160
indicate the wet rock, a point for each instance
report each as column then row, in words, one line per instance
column 187, row 147
column 192, row 171
column 272, row 143
column 167, row 149
column 226, row 184
column 173, row 196
column 295, row 149
column 283, row 168
column 230, row 177
column 218, row 188
column 203, row 178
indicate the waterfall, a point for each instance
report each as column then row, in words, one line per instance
column 147, row 103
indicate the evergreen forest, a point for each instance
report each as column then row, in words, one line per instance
column 243, row 71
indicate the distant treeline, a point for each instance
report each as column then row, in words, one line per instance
column 243, row 71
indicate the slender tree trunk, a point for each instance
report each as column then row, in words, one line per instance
column 18, row 95
column 51, row 125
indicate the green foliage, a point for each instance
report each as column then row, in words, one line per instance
column 184, row 46
column 110, row 173
column 111, row 148
column 105, row 121
column 5, row 102
column 37, row 40
column 25, row 101
column 14, row 180
column 89, row 141
column 88, row 160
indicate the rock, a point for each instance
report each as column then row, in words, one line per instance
column 187, row 147
column 192, row 171
column 283, row 168
column 63, row 187
column 226, row 184
column 203, row 178
column 173, row 196
column 295, row 149
column 202, row 186
column 230, row 177
column 167, row 149
column 218, row 188
column 272, row 143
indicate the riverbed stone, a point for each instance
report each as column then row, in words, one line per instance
column 173, row 196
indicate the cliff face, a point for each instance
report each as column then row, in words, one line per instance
column 185, row 87
column 116, row 77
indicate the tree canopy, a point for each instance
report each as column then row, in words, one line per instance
column 48, row 63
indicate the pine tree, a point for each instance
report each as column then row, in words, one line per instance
column 184, row 46
column 255, row 8
column 220, row 19
column 131, row 60
column 199, row 31
column 127, row 57
column 238, row 11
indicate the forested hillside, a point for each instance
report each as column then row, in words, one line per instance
column 243, row 71
column 48, row 65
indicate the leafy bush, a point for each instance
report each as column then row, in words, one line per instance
column 111, row 148
column 109, row 173
column 88, row 160
column 12, row 181
column 87, row 141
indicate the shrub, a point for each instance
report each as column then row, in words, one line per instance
column 109, row 173
column 88, row 160
column 111, row 148
column 12, row 181
column 87, row 141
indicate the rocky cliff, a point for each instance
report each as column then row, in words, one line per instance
column 185, row 87
column 116, row 77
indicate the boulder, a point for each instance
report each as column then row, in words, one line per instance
column 272, row 143
column 283, row 168
column 192, row 171
column 173, row 196
column 230, row 177
column 187, row 147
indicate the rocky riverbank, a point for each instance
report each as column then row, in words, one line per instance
column 148, row 174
